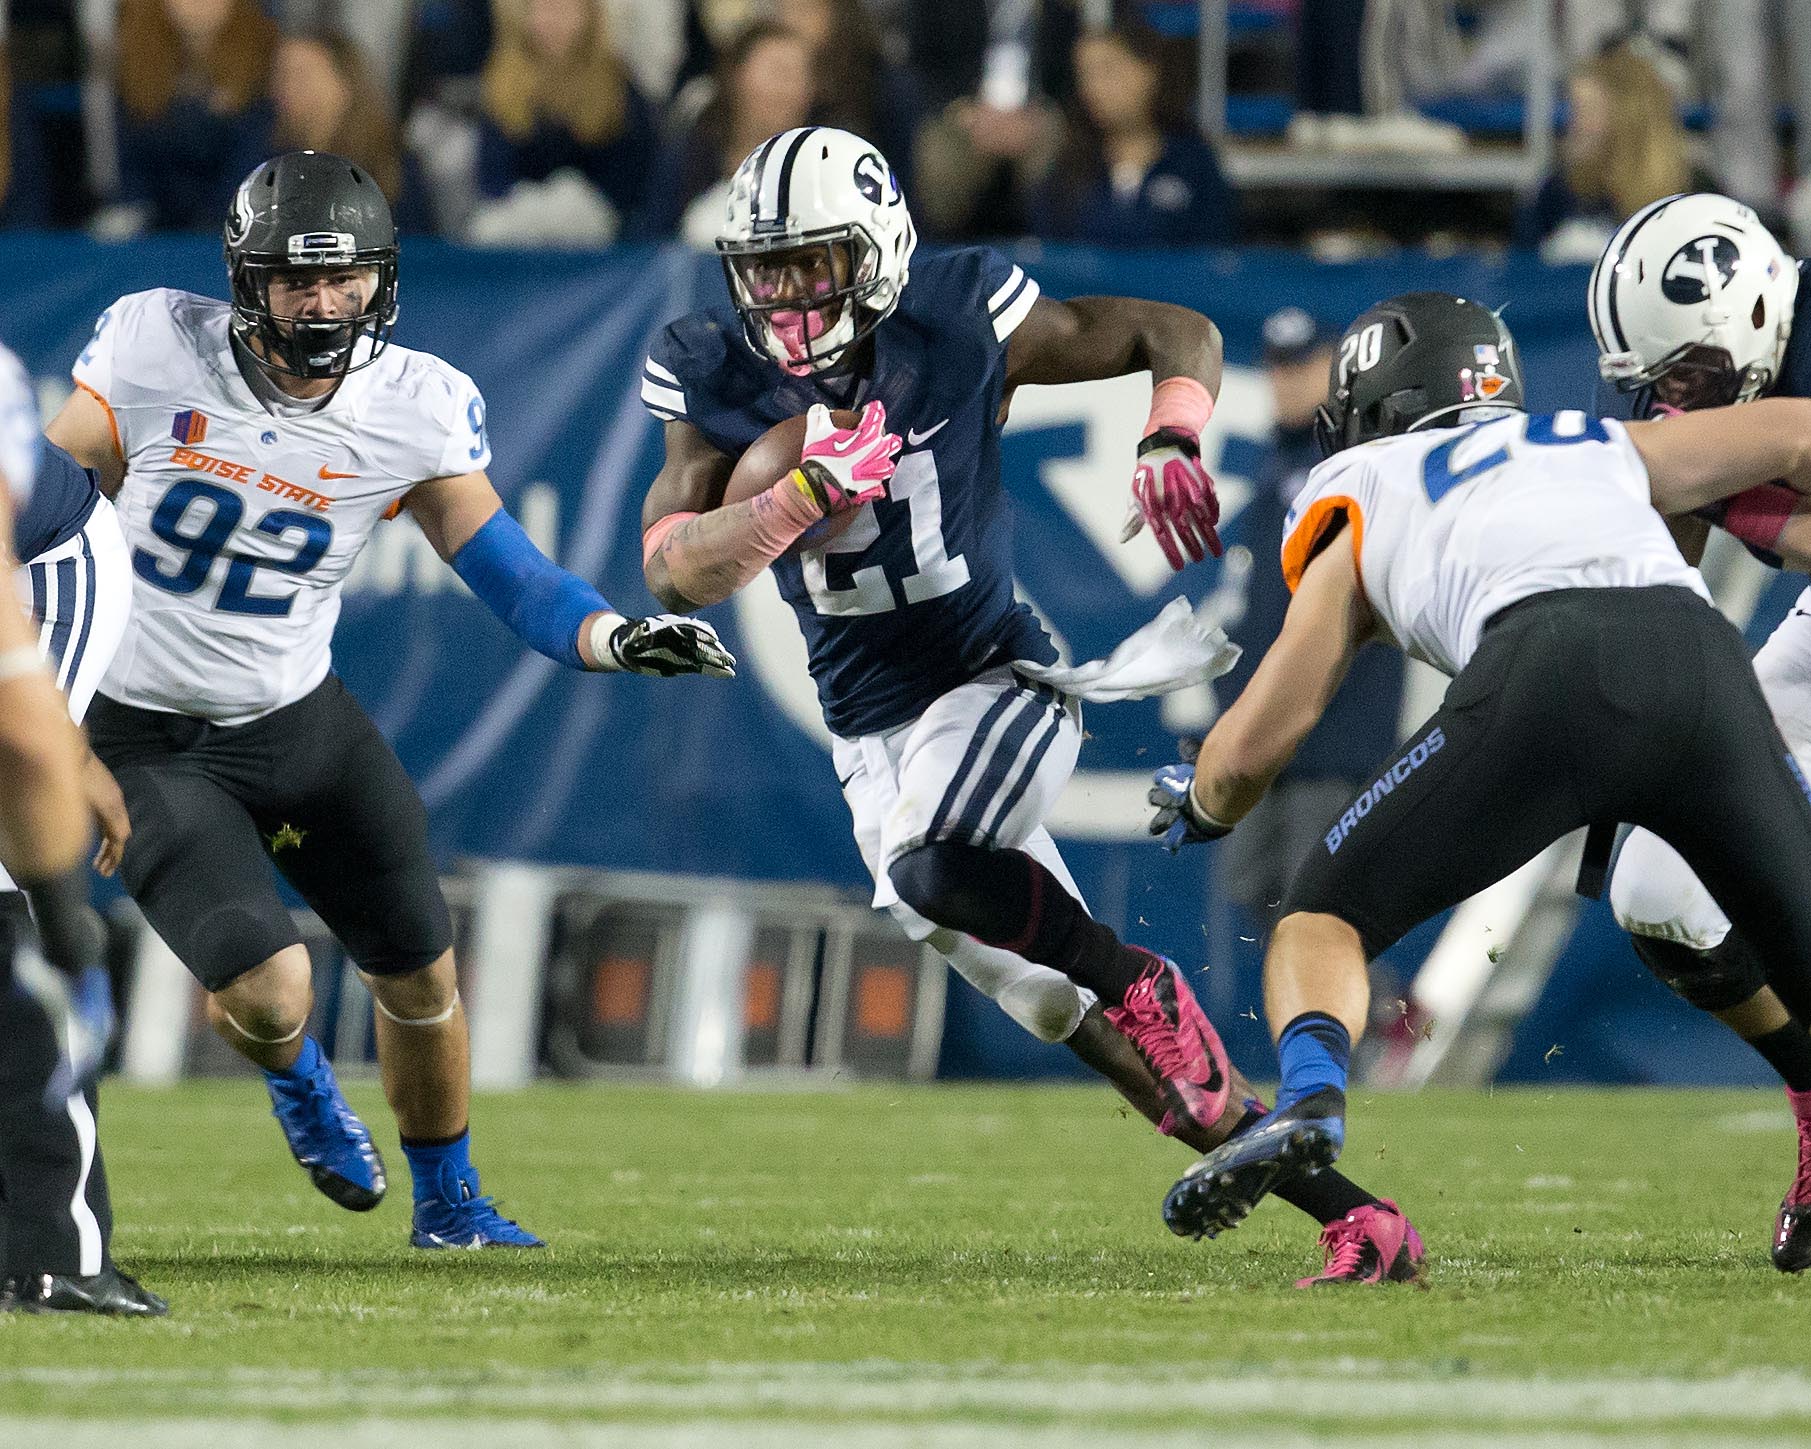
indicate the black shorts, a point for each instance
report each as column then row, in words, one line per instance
column 1581, row 707
column 311, row 787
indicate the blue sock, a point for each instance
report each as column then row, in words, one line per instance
column 426, row 1158
column 305, row 1063
column 1315, row 1051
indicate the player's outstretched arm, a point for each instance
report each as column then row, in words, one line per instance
column 43, row 819
column 1698, row 458
column 1095, row 337
column 696, row 551
column 85, row 428
column 1327, row 621
column 551, row 610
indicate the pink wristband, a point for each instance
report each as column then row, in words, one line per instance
column 1758, row 516
column 1180, row 403
column 657, row 532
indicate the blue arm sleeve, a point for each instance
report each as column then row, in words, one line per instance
column 542, row 604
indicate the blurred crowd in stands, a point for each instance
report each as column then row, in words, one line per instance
column 582, row 122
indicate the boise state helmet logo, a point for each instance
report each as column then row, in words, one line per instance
column 239, row 218
column 1687, row 275
column 872, row 178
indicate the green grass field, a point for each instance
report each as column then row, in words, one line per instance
column 967, row 1266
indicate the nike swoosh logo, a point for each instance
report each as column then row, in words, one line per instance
column 914, row 437
column 327, row 477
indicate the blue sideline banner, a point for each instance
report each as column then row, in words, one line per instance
column 519, row 758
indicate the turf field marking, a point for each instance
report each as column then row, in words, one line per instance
column 1347, row 1393
column 513, row 1433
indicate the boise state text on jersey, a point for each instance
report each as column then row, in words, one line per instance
column 916, row 597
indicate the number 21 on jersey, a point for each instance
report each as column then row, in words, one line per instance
column 934, row 572
column 198, row 519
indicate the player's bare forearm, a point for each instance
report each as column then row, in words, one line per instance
column 43, row 812
column 1327, row 622
column 43, row 820
column 1794, row 543
column 1698, row 458
column 1088, row 338
column 85, row 429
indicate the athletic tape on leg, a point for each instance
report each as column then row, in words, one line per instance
column 439, row 1018
column 263, row 1040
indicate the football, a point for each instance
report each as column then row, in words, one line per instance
column 774, row 454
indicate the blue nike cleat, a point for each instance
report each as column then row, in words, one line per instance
column 1222, row 1188
column 325, row 1135
column 455, row 1216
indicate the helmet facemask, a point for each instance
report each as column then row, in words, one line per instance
column 1692, row 376
column 803, row 299
column 314, row 348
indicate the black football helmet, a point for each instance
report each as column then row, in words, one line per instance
column 1420, row 359
column 310, row 209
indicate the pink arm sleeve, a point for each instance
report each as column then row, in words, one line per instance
column 710, row 556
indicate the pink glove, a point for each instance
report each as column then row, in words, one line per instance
column 1172, row 493
column 843, row 468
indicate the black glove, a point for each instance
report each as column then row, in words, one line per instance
column 669, row 644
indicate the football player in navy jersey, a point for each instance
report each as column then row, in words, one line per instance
column 55, row 1216
column 1692, row 304
column 953, row 731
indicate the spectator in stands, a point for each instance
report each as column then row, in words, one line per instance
column 323, row 98
column 1134, row 171
column 1622, row 147
column 564, row 138
column 1360, row 725
column 24, row 172
column 987, row 64
column 448, row 44
column 192, row 78
column 763, row 87
column 858, row 88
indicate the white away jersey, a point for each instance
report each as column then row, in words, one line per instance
column 243, row 522
column 1451, row 525
column 20, row 440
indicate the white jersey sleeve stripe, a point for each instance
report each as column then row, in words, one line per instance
column 660, row 373
column 1007, row 321
column 656, row 396
column 664, row 415
column 1011, row 285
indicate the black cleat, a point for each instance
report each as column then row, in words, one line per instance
column 1220, row 1190
column 1792, row 1228
column 108, row 1291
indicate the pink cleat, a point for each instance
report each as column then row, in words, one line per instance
column 1792, row 1228
column 1370, row 1245
column 1161, row 1017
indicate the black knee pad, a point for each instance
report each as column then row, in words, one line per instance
column 1713, row 980
column 955, row 885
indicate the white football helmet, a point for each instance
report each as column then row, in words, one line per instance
column 816, row 247
column 1692, row 303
